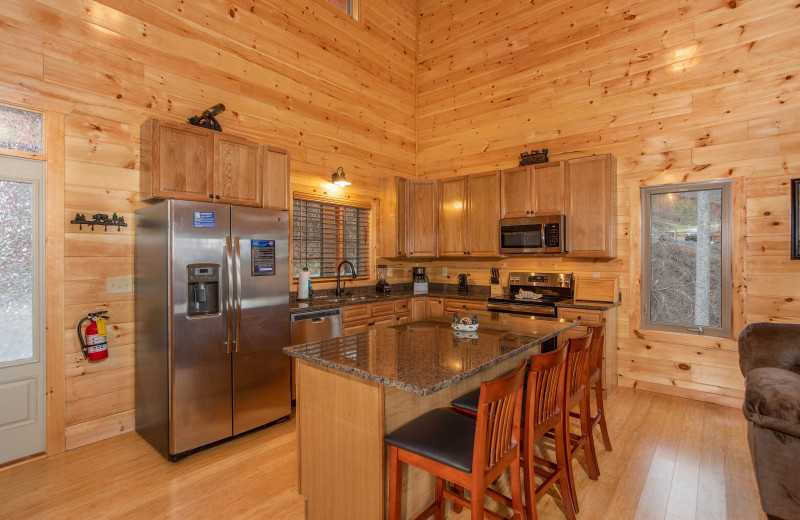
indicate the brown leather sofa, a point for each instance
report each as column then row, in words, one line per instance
column 769, row 357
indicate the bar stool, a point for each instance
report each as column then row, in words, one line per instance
column 578, row 395
column 595, row 381
column 544, row 411
column 470, row 453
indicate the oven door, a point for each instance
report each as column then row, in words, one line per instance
column 548, row 311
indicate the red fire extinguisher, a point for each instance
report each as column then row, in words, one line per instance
column 95, row 347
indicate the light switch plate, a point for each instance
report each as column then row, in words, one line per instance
column 597, row 275
column 444, row 272
column 119, row 285
column 389, row 272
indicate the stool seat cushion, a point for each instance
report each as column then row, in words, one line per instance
column 468, row 401
column 442, row 435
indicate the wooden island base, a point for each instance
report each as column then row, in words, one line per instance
column 341, row 422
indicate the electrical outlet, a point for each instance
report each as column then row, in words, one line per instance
column 389, row 272
column 444, row 272
column 119, row 285
column 597, row 275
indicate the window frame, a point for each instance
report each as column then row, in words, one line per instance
column 369, row 260
column 726, row 248
column 352, row 8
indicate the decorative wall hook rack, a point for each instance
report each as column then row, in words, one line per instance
column 99, row 219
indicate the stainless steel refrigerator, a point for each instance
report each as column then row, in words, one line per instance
column 212, row 318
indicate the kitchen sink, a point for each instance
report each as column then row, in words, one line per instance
column 336, row 299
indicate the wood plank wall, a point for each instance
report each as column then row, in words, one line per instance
column 297, row 74
column 680, row 91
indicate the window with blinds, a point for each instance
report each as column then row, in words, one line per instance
column 326, row 232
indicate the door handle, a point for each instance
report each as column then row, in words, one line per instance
column 229, row 269
column 238, row 254
column 317, row 320
column 697, row 329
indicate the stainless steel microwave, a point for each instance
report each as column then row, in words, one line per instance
column 526, row 235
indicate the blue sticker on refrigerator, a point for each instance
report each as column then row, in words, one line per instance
column 262, row 257
column 204, row 219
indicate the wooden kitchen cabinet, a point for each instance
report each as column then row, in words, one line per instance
column 368, row 316
column 435, row 307
column 456, row 305
column 177, row 161
column 469, row 209
column 453, row 221
column 537, row 189
column 394, row 218
column 591, row 190
column 422, row 218
column 419, row 308
column 191, row 163
column 238, row 171
column 276, row 179
column 593, row 317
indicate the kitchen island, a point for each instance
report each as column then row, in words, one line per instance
column 355, row 389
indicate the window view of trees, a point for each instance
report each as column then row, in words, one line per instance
column 686, row 258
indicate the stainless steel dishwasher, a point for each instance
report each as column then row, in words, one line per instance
column 316, row 325
column 313, row 326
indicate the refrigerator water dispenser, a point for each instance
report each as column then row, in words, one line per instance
column 203, row 287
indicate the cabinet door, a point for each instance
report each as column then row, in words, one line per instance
column 422, row 218
column 453, row 223
column 394, row 218
column 352, row 313
column 355, row 328
column 453, row 305
column 548, row 188
column 435, row 307
column 383, row 322
column 238, row 171
column 419, row 308
column 515, row 195
column 589, row 210
column 484, row 214
column 276, row 179
column 177, row 161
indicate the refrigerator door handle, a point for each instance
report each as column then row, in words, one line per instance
column 238, row 294
column 229, row 269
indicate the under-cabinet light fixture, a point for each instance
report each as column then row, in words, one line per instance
column 338, row 178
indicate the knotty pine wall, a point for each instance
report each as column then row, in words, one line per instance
column 297, row 74
column 681, row 91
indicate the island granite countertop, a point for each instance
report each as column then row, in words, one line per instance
column 424, row 357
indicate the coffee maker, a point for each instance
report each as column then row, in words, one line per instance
column 462, row 283
column 420, row 280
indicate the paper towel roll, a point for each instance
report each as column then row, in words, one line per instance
column 302, row 284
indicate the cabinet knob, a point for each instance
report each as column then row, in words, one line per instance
column 411, row 253
column 210, row 196
column 217, row 197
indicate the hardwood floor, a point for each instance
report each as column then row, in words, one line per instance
column 673, row 459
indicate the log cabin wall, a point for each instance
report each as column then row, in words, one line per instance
column 296, row 74
column 677, row 91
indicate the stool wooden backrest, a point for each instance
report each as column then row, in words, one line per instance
column 498, row 420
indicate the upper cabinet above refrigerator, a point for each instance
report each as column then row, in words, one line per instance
column 187, row 162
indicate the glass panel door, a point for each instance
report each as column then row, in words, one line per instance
column 22, row 409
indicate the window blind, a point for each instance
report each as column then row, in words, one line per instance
column 326, row 232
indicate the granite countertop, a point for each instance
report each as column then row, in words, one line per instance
column 424, row 357
column 477, row 293
column 329, row 301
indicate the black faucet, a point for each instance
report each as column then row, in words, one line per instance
column 339, row 275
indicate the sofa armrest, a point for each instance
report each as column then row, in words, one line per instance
column 770, row 345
